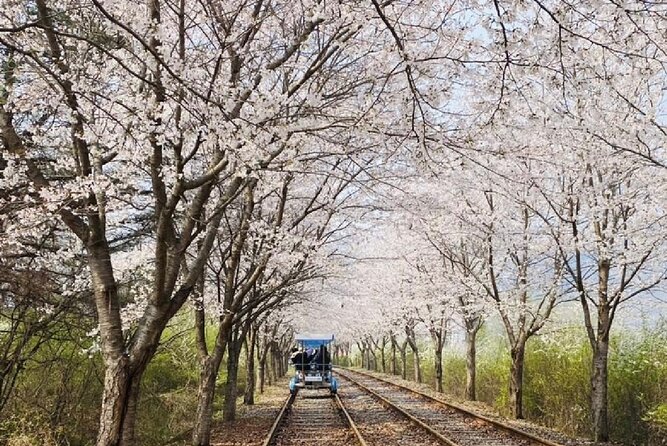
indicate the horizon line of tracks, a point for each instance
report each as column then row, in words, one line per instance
column 386, row 414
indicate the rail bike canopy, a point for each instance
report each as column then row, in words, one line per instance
column 313, row 340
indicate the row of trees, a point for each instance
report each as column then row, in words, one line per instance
column 531, row 239
column 556, row 194
column 222, row 153
column 177, row 151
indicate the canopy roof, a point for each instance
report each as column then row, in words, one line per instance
column 313, row 340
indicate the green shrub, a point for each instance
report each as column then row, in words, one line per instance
column 454, row 374
column 557, row 381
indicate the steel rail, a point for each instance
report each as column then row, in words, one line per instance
column 454, row 406
column 277, row 424
column 352, row 424
column 402, row 411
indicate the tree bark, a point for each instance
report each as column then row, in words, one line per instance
column 208, row 374
column 382, row 356
column 393, row 356
column 438, row 331
column 516, row 379
column 362, row 350
column 115, row 418
column 209, row 366
column 231, row 389
column 128, row 435
column 600, row 347
column 274, row 361
column 404, row 360
column 262, row 367
column 471, row 364
column 415, row 354
column 438, row 370
column 373, row 354
column 417, row 366
column 114, row 400
column 249, row 395
column 599, row 389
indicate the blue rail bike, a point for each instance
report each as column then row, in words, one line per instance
column 312, row 363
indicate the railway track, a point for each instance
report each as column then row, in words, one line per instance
column 380, row 425
column 446, row 423
column 314, row 418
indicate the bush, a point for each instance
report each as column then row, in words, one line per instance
column 557, row 381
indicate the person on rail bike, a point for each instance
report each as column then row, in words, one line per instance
column 299, row 358
column 322, row 359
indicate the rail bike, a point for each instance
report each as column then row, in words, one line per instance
column 312, row 363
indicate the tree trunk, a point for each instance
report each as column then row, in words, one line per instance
column 599, row 378
column 231, row 388
column 438, row 335
column 364, row 356
column 393, row 357
column 274, row 362
column 262, row 369
column 374, row 366
column 114, row 400
column 209, row 367
column 249, row 395
column 404, row 360
column 438, row 370
column 415, row 355
column 384, row 363
column 128, row 435
column 471, row 364
column 600, row 347
column 516, row 379
column 119, row 397
column 417, row 366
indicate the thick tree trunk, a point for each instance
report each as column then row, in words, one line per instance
column 231, row 389
column 249, row 395
column 262, row 369
column 415, row 355
column 274, row 362
column 471, row 364
column 438, row 335
column 120, row 401
column 516, row 379
column 209, row 368
column 118, row 409
column 114, row 401
column 128, row 434
column 374, row 365
column 208, row 374
column 404, row 360
column 417, row 366
column 599, row 378
column 600, row 347
column 438, row 369
column 364, row 356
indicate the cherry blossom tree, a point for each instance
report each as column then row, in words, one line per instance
column 166, row 111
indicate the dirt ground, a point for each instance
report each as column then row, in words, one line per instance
column 252, row 423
